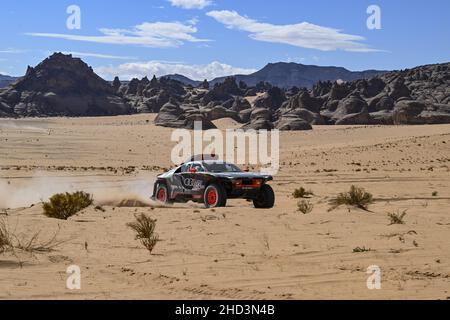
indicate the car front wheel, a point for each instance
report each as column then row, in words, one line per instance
column 265, row 199
column 162, row 194
column 215, row 196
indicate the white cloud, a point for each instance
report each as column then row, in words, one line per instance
column 209, row 71
column 148, row 34
column 12, row 51
column 304, row 35
column 98, row 55
column 190, row 4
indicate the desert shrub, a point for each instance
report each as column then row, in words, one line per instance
column 361, row 249
column 305, row 207
column 11, row 241
column 64, row 205
column 5, row 237
column 301, row 193
column 356, row 197
column 397, row 218
column 144, row 227
column 434, row 194
column 99, row 208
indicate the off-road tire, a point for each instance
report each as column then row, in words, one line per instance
column 215, row 196
column 265, row 198
column 163, row 194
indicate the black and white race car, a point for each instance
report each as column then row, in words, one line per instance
column 213, row 182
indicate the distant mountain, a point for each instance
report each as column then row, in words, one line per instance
column 183, row 79
column 6, row 80
column 286, row 75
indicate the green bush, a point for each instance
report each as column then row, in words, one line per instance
column 144, row 227
column 64, row 205
column 356, row 197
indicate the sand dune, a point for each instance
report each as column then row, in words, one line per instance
column 235, row 252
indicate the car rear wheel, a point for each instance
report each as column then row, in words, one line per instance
column 162, row 194
column 265, row 198
column 215, row 196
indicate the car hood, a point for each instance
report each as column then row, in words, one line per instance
column 241, row 175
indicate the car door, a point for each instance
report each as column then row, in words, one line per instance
column 193, row 179
column 177, row 181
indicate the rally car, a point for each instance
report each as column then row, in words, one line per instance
column 213, row 182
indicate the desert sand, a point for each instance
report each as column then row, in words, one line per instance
column 236, row 252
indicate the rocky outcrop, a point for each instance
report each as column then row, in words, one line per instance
column 172, row 115
column 303, row 100
column 240, row 104
column 220, row 112
column 413, row 112
column 62, row 86
column 260, row 119
column 223, row 91
column 148, row 96
column 272, row 99
column 259, row 124
column 292, row 122
column 416, row 96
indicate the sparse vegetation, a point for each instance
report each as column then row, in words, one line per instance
column 64, row 205
column 302, row 193
column 361, row 249
column 434, row 194
column 397, row 218
column 356, row 197
column 5, row 237
column 10, row 241
column 144, row 227
column 99, row 208
column 305, row 207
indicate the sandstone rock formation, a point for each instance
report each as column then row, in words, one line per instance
column 173, row 115
column 61, row 86
column 148, row 96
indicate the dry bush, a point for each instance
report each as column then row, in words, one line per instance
column 356, row 197
column 10, row 241
column 144, row 227
column 361, row 249
column 305, row 207
column 397, row 218
column 5, row 237
column 64, row 205
column 302, row 193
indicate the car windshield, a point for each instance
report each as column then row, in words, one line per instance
column 221, row 167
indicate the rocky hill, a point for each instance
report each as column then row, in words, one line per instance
column 6, row 80
column 61, row 86
column 183, row 79
column 287, row 75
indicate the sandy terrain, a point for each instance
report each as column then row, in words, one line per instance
column 235, row 252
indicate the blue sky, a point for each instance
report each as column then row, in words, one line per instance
column 209, row 38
